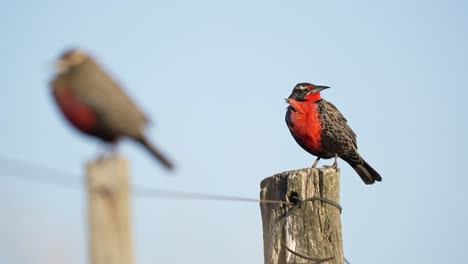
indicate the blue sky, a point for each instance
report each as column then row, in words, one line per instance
column 212, row 75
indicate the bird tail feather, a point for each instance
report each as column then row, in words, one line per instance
column 363, row 169
column 156, row 153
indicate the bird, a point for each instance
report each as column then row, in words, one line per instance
column 320, row 129
column 96, row 105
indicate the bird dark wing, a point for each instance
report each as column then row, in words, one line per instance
column 101, row 93
column 338, row 124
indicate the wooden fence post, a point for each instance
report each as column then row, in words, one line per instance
column 110, row 236
column 311, row 231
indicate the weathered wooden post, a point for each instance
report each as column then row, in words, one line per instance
column 310, row 234
column 110, row 234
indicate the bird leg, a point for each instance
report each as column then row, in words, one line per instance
column 315, row 163
column 107, row 151
column 335, row 164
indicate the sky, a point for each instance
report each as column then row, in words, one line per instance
column 212, row 76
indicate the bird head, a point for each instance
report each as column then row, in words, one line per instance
column 70, row 59
column 306, row 92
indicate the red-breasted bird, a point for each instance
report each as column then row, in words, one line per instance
column 320, row 129
column 96, row 105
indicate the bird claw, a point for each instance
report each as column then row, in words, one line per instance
column 334, row 165
column 109, row 151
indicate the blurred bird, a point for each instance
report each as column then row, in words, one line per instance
column 320, row 129
column 96, row 105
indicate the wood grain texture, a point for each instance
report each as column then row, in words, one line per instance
column 314, row 230
column 109, row 212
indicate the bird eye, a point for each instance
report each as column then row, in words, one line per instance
column 303, row 87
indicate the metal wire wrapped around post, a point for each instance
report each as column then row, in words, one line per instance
column 308, row 231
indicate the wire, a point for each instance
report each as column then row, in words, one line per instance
column 298, row 203
column 30, row 172
column 170, row 194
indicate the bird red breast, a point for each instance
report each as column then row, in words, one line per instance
column 320, row 129
column 96, row 105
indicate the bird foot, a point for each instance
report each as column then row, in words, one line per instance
column 109, row 151
column 334, row 165
column 101, row 157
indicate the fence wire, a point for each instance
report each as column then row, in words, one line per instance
column 57, row 177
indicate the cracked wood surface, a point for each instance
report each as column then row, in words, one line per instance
column 314, row 230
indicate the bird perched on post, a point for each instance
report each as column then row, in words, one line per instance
column 96, row 105
column 320, row 129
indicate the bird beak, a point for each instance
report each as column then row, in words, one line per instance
column 318, row 88
column 287, row 100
